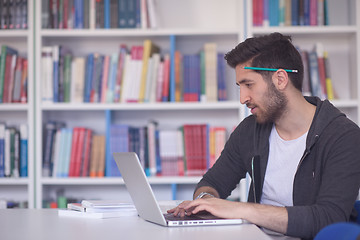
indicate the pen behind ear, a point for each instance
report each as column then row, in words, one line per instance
column 256, row 178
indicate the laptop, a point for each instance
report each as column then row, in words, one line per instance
column 144, row 199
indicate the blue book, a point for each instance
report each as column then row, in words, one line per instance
column 79, row 14
column 112, row 77
column 2, row 150
column 88, row 76
column 56, row 56
column 122, row 13
column 222, row 93
column 119, row 142
column 107, row 14
column 306, row 12
column 23, row 151
column 61, row 157
column 314, row 75
column 172, row 68
column 50, row 129
column 131, row 13
column 67, row 151
column 157, row 152
column 295, row 12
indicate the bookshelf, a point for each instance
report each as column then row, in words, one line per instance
column 219, row 23
column 204, row 21
column 21, row 190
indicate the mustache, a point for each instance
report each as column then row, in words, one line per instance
column 250, row 105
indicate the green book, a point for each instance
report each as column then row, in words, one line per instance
column 67, row 77
column 5, row 50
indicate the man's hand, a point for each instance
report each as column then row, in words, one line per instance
column 271, row 217
column 217, row 207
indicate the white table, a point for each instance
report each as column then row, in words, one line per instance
column 38, row 224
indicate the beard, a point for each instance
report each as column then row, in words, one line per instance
column 273, row 105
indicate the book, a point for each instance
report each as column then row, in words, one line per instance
column 112, row 77
column 10, row 67
column 77, row 80
column 24, row 82
column 314, row 75
column 126, row 208
column 149, row 48
column 211, row 71
column 55, row 74
column 2, row 150
column 90, row 203
column 319, row 48
column 47, row 74
column 329, row 86
column 306, row 89
column 119, row 142
column 16, row 95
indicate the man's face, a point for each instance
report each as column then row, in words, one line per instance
column 266, row 103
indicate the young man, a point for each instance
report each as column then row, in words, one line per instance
column 302, row 154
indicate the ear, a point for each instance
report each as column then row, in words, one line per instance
column 280, row 79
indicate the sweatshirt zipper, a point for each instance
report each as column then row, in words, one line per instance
column 307, row 152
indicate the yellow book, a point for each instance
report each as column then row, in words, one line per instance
column 149, row 49
column 328, row 81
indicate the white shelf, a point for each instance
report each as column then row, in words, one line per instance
column 14, row 181
column 116, row 180
column 11, row 33
column 134, row 32
column 14, row 107
column 311, row 30
column 345, row 103
column 168, row 106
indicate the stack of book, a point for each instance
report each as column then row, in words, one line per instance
column 98, row 209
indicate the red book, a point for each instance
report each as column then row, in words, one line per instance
column 322, row 75
column 74, row 148
column 24, row 78
column 66, row 13
column 86, row 153
column 79, row 152
column 166, row 82
column 17, row 80
column 10, row 64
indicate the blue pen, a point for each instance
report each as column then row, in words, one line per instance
column 270, row 69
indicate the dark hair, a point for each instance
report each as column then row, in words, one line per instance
column 270, row 51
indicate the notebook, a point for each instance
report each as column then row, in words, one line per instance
column 144, row 199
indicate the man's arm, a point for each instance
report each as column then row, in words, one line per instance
column 270, row 217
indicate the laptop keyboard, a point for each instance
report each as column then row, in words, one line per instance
column 200, row 216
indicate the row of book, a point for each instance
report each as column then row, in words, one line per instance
column 13, row 151
column 290, row 13
column 13, row 76
column 317, row 79
column 4, row 204
column 13, row 14
column 91, row 14
column 139, row 75
column 78, row 152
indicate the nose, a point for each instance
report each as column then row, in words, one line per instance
column 244, row 96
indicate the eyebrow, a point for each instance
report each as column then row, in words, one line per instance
column 244, row 81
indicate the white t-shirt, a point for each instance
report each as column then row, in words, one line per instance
column 284, row 157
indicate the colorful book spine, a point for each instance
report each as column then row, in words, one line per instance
column 23, row 150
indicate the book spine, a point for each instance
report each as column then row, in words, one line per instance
column 172, row 68
column 2, row 150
